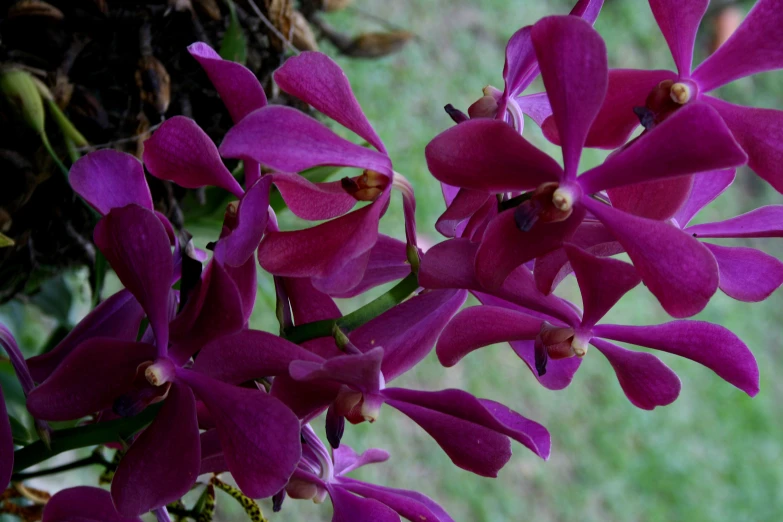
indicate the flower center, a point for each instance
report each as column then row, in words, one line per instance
column 160, row 372
column 366, row 187
column 549, row 203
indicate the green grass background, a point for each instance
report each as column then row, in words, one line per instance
column 713, row 455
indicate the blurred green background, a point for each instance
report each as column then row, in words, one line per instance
column 715, row 454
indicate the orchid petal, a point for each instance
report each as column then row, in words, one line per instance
column 361, row 372
column 181, row 152
column 318, row 81
column 754, row 47
column 286, row 140
column 488, row 155
column 761, row 222
column 163, row 462
column 559, row 372
column 709, row 344
column 246, row 280
column 676, row 268
column 388, row 261
column 313, row 201
column 572, row 58
column 521, row 66
column 109, row 179
column 504, row 246
column 248, row 355
column 536, row 106
column 83, row 504
column 309, row 304
column 660, row 153
column 464, row 205
column 252, row 216
column 238, row 87
column 347, row 460
column 706, row 187
column 602, row 282
column 646, row 381
column 137, row 248
column 660, row 199
column 755, row 130
column 323, row 250
column 679, row 22
column 258, row 433
column 747, row 274
column 408, row 331
column 480, row 326
column 345, row 279
column 350, row 508
column 410, row 504
column 108, row 365
column 587, row 9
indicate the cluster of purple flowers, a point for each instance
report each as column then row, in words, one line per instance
column 227, row 398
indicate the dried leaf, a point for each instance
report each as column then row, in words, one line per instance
column 154, row 83
column 281, row 14
column 209, row 8
column 6, row 241
column 234, row 46
column 376, row 45
column 336, row 5
column 34, row 8
column 303, row 37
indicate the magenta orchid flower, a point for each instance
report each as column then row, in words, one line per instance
column 336, row 253
column 488, row 155
column 85, row 504
column 646, row 381
column 101, row 373
column 755, row 46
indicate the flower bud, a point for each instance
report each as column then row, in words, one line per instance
column 20, row 90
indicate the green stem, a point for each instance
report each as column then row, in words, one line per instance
column 352, row 321
column 83, row 436
column 53, row 154
column 87, row 461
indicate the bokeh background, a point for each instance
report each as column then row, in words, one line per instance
column 715, row 454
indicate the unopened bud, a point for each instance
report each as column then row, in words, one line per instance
column 20, row 90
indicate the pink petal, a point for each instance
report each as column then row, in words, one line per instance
column 308, row 304
column 521, row 66
column 361, row 372
column 654, row 199
column 313, row 201
column 559, row 372
column 347, row 460
column 488, row 155
column 660, row 154
column 248, row 355
column 410, row 504
column 348, row 277
column 137, row 248
column 324, row 249
column 163, row 462
column 109, row 365
column 107, row 179
column 350, row 508
column 215, row 311
column 550, row 269
column 587, row 9
column 237, row 85
column 388, row 261
column 83, row 504
column 480, row 326
column 747, row 274
column 709, row 344
column 252, row 215
column 754, row 47
column 602, row 282
column 118, row 317
column 258, row 433
column 286, row 140
column 676, row 268
column 761, row 222
column 246, row 281
column 646, row 381
column 504, row 246
column 679, row 22
column 181, row 152
column 317, row 80
column 212, row 460
column 464, row 205
column 408, row 331
column 706, row 187
column 572, row 58
column 536, row 106
column 6, row 444
column 628, row 88
column 755, row 130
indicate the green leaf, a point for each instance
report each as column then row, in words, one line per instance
column 6, row 241
column 19, row 432
column 234, row 46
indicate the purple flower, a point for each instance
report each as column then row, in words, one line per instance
column 755, row 46
column 101, row 373
column 336, row 253
column 646, row 381
column 85, row 504
column 489, row 156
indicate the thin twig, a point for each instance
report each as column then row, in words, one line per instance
column 272, row 27
column 90, row 148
